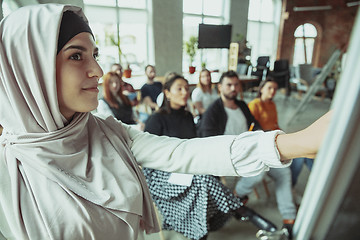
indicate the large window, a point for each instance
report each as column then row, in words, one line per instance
column 125, row 23
column 129, row 18
column 263, row 28
column 305, row 36
column 208, row 12
column 141, row 4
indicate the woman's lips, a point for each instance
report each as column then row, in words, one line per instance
column 92, row 89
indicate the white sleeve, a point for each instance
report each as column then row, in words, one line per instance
column 247, row 154
column 103, row 110
column 209, row 155
column 196, row 95
column 255, row 152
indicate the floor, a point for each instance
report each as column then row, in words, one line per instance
column 265, row 205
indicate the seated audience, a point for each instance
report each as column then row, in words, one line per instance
column 204, row 94
column 264, row 111
column 228, row 115
column 203, row 203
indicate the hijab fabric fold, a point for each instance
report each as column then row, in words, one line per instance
column 43, row 158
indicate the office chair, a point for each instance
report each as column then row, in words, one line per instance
column 260, row 70
column 281, row 74
column 262, row 67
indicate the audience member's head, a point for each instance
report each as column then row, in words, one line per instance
column 176, row 93
column 229, row 85
column 117, row 68
column 228, row 74
column 112, row 89
column 150, row 72
column 169, row 75
column 205, row 80
column 267, row 89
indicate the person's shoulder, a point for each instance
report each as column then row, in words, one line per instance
column 144, row 87
column 158, row 115
column 155, row 119
column 242, row 104
column 196, row 92
column 254, row 102
column 217, row 101
column 157, row 83
column 215, row 105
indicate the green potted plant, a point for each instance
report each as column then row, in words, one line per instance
column 203, row 65
column 116, row 42
column 190, row 49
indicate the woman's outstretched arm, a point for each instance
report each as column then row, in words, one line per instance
column 304, row 143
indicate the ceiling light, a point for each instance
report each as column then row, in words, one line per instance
column 352, row 4
column 312, row 8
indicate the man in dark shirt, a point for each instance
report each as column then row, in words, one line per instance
column 151, row 89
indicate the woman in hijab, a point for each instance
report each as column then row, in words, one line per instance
column 66, row 174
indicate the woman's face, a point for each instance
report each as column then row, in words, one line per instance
column 114, row 85
column 268, row 91
column 77, row 75
column 205, row 78
column 178, row 94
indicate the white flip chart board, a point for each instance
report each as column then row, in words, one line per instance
column 338, row 158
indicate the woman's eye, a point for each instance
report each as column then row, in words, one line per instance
column 76, row 56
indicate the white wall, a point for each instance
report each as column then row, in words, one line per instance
column 239, row 17
column 167, row 25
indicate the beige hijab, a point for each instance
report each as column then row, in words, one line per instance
column 51, row 171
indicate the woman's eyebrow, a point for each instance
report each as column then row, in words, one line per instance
column 75, row 47
column 81, row 48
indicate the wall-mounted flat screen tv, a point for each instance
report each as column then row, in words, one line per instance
column 214, row 36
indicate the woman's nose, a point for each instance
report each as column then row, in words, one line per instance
column 95, row 69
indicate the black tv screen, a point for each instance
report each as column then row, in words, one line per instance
column 214, row 36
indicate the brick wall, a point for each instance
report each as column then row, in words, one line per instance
column 334, row 27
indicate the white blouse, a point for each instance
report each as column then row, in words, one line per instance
column 206, row 99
